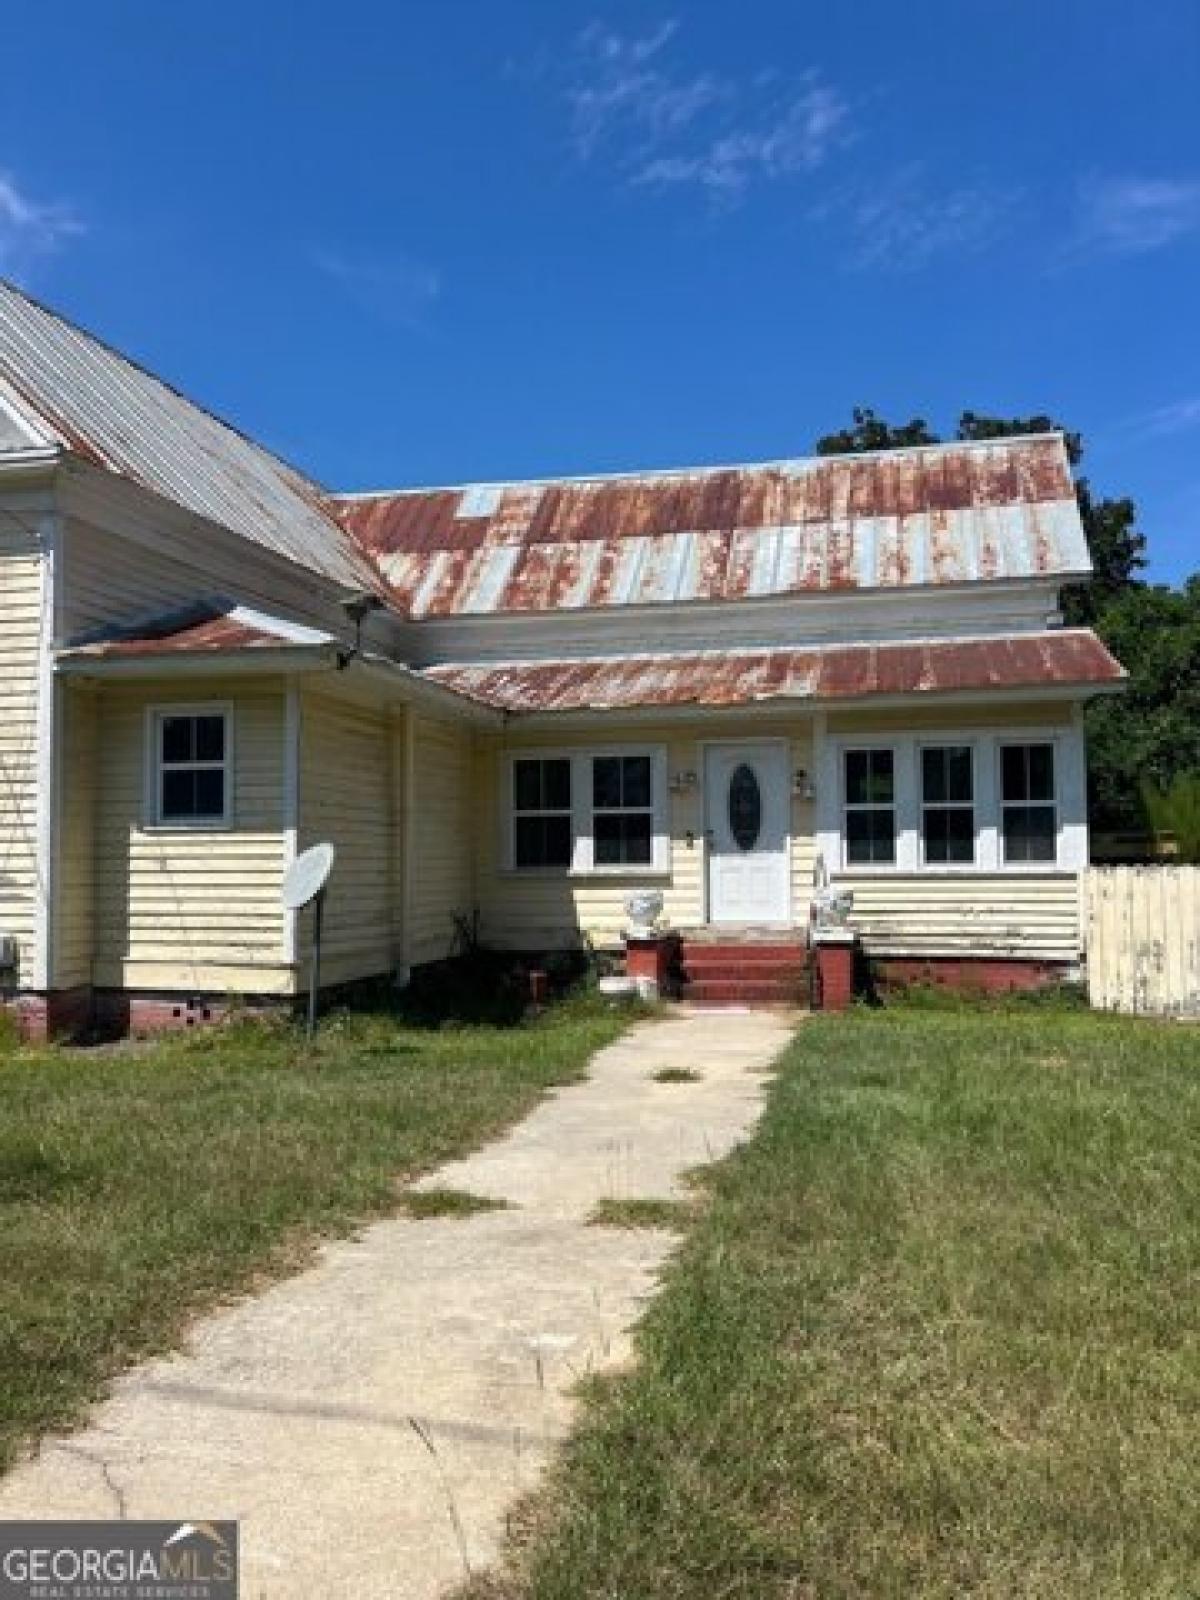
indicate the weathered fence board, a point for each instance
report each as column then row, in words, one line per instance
column 1142, row 928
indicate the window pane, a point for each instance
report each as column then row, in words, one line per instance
column 1041, row 772
column 637, row 781
column 856, row 777
column 870, row 836
column 606, row 781
column 210, row 738
column 178, row 795
column 880, row 790
column 623, row 840
column 210, row 792
column 1014, row 774
column 957, row 759
column 950, row 834
column 1029, row 833
column 177, row 734
column 527, row 785
column 556, row 785
column 933, row 775
column 543, row 841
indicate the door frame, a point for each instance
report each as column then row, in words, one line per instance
column 785, row 744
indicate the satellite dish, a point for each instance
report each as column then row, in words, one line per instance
column 307, row 876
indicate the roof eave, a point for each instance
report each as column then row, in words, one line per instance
column 277, row 661
column 811, row 705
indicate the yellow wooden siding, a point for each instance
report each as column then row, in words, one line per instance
column 78, row 743
column 443, row 849
column 347, row 797
column 190, row 910
column 972, row 914
column 21, row 594
column 536, row 911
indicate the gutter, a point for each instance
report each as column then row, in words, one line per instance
column 278, row 660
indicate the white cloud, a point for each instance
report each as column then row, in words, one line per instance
column 903, row 222
column 1132, row 215
column 797, row 137
column 1162, row 421
column 397, row 288
column 30, row 229
column 663, row 127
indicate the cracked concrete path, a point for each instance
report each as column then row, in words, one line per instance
column 370, row 1420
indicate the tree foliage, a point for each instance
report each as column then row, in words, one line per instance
column 1152, row 733
column 1176, row 811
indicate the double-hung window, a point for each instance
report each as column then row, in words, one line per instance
column 870, row 806
column 622, row 811
column 602, row 811
column 191, row 772
column 947, row 804
column 1027, row 802
column 542, row 832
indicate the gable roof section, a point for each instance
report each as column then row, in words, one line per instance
column 945, row 514
column 207, row 628
column 101, row 407
column 1065, row 659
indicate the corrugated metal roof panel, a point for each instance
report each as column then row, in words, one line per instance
column 956, row 513
column 1066, row 658
column 205, row 628
column 112, row 413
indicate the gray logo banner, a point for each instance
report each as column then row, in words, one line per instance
column 118, row 1560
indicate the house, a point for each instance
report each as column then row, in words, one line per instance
column 697, row 680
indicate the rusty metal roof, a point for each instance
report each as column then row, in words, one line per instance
column 1065, row 658
column 944, row 514
column 103, row 408
column 207, row 628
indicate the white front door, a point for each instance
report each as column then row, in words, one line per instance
column 747, row 808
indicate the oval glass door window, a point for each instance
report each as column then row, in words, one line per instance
column 745, row 807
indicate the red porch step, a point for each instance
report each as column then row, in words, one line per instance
column 744, row 972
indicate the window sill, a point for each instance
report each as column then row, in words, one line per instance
column 1030, row 869
column 209, row 825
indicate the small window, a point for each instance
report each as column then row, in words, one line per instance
column 542, row 813
column 948, row 804
column 1028, row 802
column 622, row 811
column 870, row 807
column 191, row 768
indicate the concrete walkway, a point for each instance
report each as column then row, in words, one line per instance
column 371, row 1419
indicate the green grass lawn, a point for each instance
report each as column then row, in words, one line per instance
column 936, row 1333
column 139, row 1186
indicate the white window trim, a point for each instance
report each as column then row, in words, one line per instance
column 152, row 799
column 583, row 862
column 846, row 805
column 1070, row 800
column 937, row 742
column 1003, row 805
column 537, row 811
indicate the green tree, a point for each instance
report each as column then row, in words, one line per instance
column 870, row 432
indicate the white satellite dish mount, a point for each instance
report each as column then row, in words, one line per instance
column 304, row 884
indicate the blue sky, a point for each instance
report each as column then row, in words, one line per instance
column 411, row 243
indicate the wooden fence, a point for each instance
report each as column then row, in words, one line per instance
column 1142, row 930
